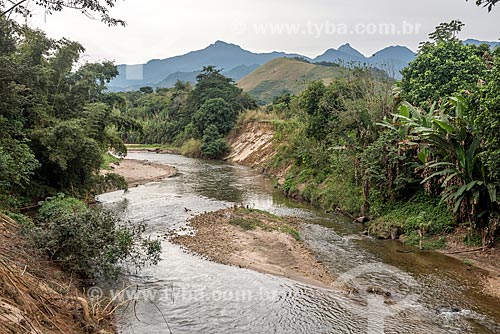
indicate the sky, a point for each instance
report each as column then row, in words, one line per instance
column 158, row 29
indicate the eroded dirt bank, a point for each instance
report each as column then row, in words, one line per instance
column 37, row 297
column 255, row 240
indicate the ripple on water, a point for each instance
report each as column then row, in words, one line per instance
column 197, row 296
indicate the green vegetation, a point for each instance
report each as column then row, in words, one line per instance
column 91, row 242
column 194, row 118
column 286, row 75
column 107, row 160
column 421, row 161
column 250, row 219
column 57, row 123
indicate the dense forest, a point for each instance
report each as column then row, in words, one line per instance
column 196, row 117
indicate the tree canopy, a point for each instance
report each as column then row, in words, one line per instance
column 87, row 7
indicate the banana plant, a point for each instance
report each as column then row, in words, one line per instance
column 448, row 147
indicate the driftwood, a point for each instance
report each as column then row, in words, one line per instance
column 466, row 251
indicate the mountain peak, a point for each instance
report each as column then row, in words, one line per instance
column 348, row 49
column 222, row 44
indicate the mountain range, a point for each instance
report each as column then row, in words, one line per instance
column 237, row 63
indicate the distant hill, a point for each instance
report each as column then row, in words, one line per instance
column 285, row 75
column 234, row 61
column 391, row 59
column 476, row 42
column 237, row 63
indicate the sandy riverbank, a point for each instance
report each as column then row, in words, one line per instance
column 137, row 172
column 255, row 240
column 488, row 260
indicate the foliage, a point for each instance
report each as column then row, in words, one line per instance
column 443, row 69
column 329, row 128
column 56, row 120
column 486, row 3
column 484, row 112
column 91, row 242
column 191, row 148
column 85, row 6
column 449, row 151
column 182, row 113
column 212, row 144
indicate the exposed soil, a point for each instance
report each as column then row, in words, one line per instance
column 252, row 145
column 488, row 259
column 36, row 297
column 255, row 240
column 137, row 172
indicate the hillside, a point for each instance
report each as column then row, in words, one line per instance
column 234, row 61
column 285, row 75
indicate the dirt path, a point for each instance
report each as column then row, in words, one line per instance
column 137, row 172
column 255, row 240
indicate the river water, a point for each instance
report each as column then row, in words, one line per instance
column 429, row 293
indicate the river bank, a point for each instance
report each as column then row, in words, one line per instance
column 256, row 240
column 137, row 172
column 253, row 145
column 37, row 297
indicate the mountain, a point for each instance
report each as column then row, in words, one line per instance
column 344, row 55
column 391, row 59
column 286, row 75
column 229, row 57
column 237, row 63
column 476, row 42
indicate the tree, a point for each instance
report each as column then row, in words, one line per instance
column 449, row 151
column 216, row 112
column 55, row 121
column 87, row 7
column 443, row 67
column 212, row 144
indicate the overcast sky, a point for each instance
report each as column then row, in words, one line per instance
column 161, row 29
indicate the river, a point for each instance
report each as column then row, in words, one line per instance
column 184, row 293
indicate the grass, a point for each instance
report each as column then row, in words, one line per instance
column 245, row 224
column 108, row 159
column 285, row 75
column 250, row 219
column 191, row 148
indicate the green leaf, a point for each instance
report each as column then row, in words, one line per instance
column 457, row 204
column 423, row 155
column 404, row 111
column 492, row 191
column 444, row 125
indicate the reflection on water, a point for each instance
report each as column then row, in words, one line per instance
column 193, row 295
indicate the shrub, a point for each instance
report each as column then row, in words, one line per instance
column 191, row 148
column 213, row 146
column 91, row 242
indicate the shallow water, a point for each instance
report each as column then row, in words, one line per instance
column 187, row 294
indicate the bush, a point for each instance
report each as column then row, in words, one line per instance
column 213, row 146
column 91, row 242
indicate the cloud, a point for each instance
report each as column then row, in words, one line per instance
column 160, row 29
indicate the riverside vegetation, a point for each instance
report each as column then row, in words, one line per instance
column 419, row 156
column 56, row 124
